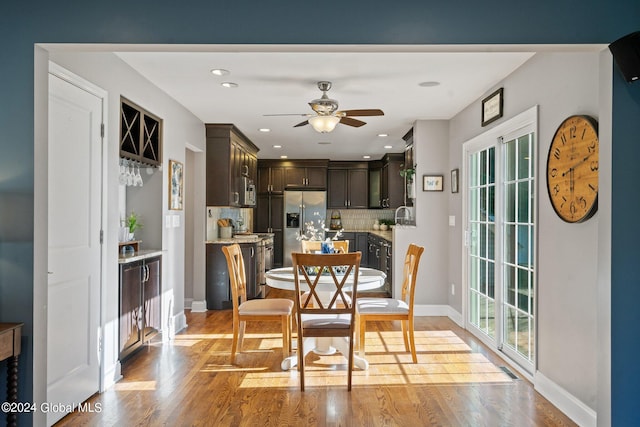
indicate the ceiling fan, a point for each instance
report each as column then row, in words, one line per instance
column 327, row 114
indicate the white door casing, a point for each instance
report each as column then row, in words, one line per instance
column 74, row 248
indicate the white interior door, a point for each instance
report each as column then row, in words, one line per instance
column 75, row 141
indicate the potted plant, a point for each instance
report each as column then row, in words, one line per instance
column 408, row 174
column 133, row 222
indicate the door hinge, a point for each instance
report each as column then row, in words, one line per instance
column 101, row 130
column 101, row 236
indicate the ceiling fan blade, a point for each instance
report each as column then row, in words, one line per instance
column 352, row 122
column 306, row 122
column 293, row 114
column 365, row 112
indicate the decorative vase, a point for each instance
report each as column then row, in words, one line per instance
column 326, row 247
column 411, row 189
column 384, row 227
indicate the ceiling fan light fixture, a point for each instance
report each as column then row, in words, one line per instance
column 324, row 124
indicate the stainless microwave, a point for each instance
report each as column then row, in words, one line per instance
column 248, row 195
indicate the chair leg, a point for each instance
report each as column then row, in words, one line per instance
column 350, row 366
column 286, row 337
column 362, row 323
column 405, row 335
column 412, row 341
column 300, row 351
column 243, row 325
column 234, row 342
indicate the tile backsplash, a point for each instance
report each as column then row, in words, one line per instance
column 360, row 219
column 352, row 219
column 237, row 215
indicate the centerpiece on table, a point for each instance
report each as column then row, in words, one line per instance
column 315, row 230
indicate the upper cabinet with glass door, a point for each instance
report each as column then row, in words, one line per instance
column 140, row 134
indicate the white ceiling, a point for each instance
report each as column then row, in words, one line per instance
column 284, row 81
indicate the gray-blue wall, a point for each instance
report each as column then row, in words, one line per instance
column 22, row 24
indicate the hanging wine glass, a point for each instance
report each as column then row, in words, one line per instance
column 122, row 178
column 138, row 177
column 129, row 175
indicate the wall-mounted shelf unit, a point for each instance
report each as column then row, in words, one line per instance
column 140, row 134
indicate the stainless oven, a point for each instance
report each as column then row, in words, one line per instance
column 265, row 262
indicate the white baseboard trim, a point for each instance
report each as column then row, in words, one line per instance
column 179, row 322
column 580, row 413
column 438, row 310
column 198, row 306
column 111, row 376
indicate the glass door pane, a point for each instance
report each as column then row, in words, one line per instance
column 518, row 301
column 482, row 241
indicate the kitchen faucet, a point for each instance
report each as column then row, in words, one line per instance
column 406, row 217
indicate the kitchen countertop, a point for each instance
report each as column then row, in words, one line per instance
column 387, row 234
column 137, row 256
column 232, row 240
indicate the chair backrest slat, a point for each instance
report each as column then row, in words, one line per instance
column 237, row 276
column 410, row 273
column 335, row 272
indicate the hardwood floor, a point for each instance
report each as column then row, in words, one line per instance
column 189, row 382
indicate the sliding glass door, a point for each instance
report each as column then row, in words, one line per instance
column 500, row 241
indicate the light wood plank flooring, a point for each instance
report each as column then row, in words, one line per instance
column 189, row 382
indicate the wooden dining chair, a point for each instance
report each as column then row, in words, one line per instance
column 369, row 309
column 271, row 309
column 310, row 246
column 325, row 309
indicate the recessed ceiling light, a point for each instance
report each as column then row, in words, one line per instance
column 228, row 84
column 383, row 135
column 388, row 147
column 324, row 143
column 277, row 146
column 429, row 84
column 366, row 157
column 264, row 130
column 219, row 72
column 283, row 157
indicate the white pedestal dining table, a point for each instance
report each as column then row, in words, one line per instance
column 283, row 278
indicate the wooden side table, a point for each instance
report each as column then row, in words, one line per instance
column 10, row 334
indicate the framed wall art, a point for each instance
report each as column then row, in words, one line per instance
column 492, row 107
column 432, row 182
column 176, row 185
column 454, row 180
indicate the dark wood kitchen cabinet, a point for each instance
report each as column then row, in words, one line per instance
column 270, row 219
column 409, row 162
column 386, row 186
column 139, row 303
column 347, row 185
column 231, row 156
column 305, row 174
column 140, row 134
column 270, row 177
column 218, row 290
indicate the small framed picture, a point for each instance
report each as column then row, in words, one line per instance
column 432, row 182
column 454, row 181
column 176, row 186
column 492, row 107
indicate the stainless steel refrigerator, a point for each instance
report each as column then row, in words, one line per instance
column 301, row 207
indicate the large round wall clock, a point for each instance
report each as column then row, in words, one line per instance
column 572, row 169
